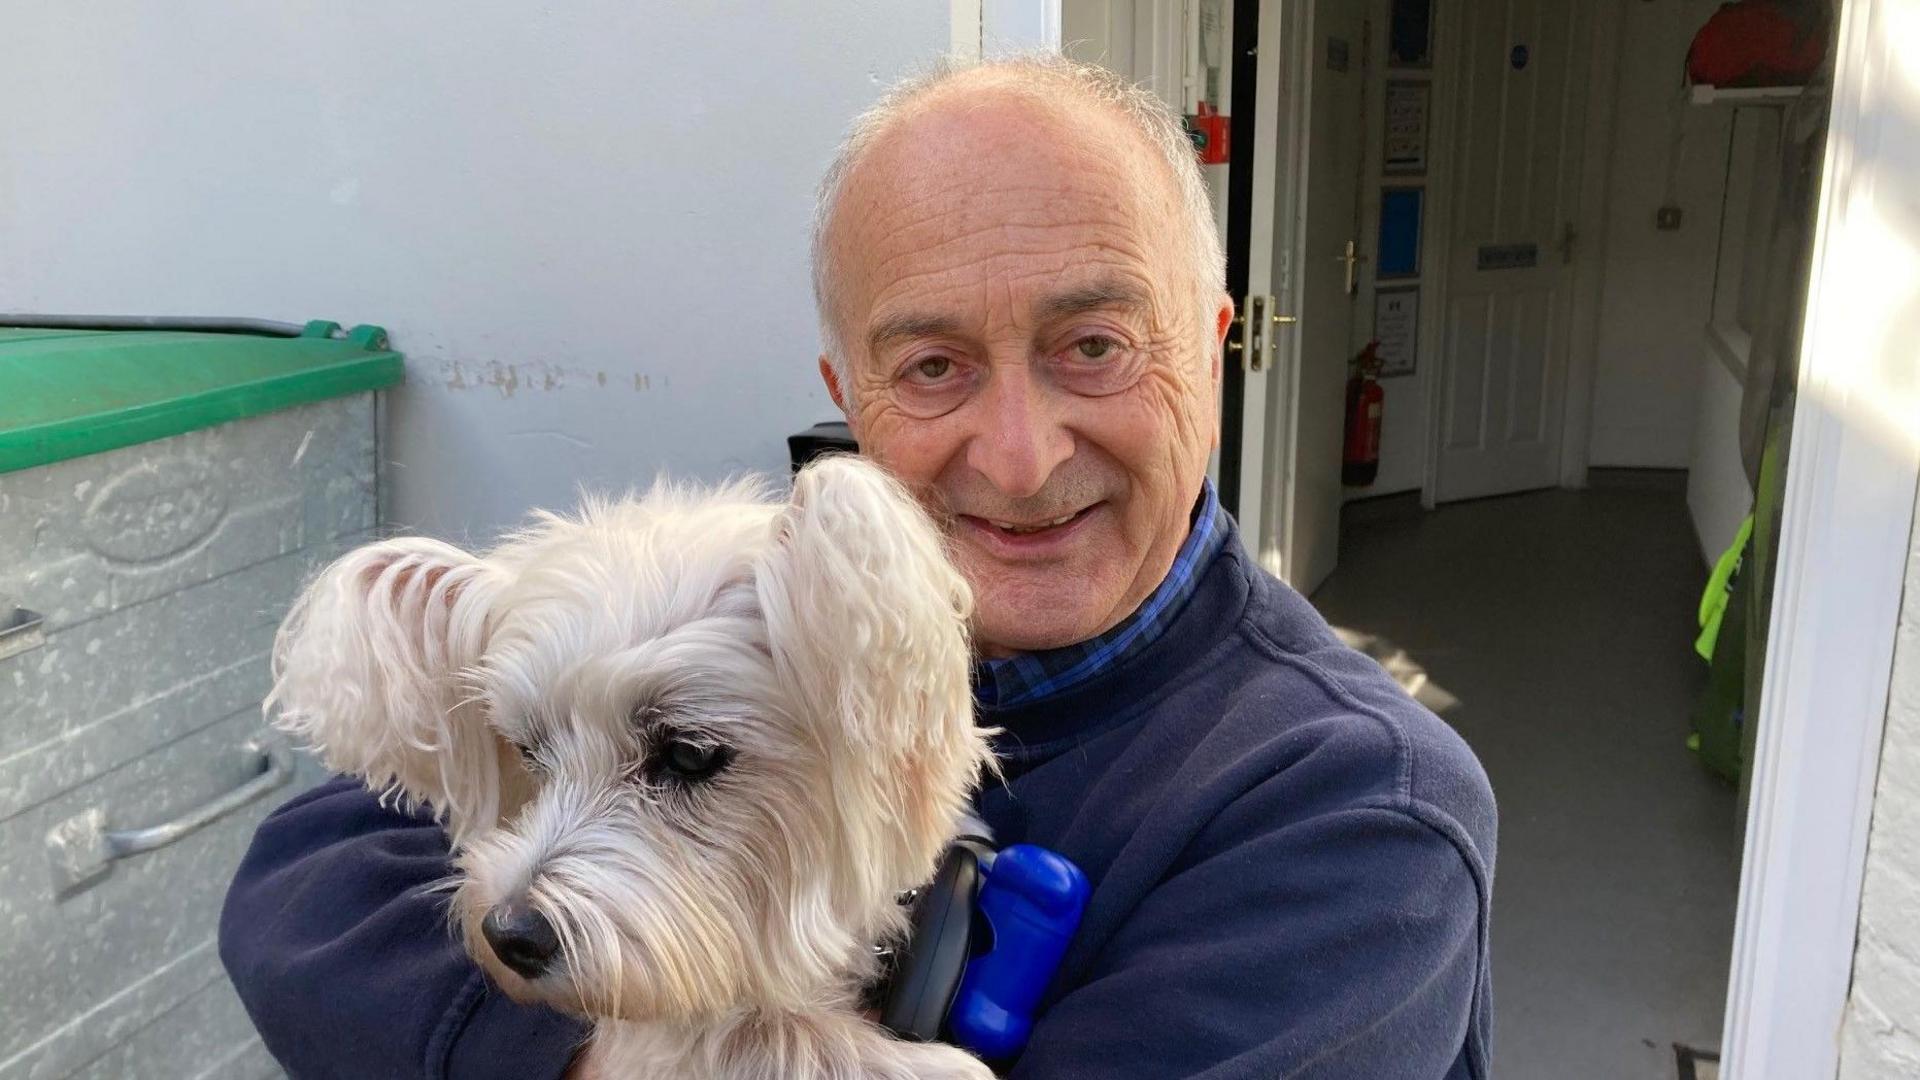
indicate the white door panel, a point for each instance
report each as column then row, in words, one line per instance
column 1512, row 246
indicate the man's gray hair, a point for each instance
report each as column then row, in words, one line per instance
column 1055, row 78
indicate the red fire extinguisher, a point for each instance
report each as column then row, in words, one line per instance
column 1360, row 463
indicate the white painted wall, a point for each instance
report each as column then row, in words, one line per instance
column 584, row 223
column 1718, row 494
column 1658, row 286
column 1881, row 1036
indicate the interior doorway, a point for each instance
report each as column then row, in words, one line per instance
column 1522, row 72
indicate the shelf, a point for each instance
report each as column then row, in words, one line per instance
column 1706, row 94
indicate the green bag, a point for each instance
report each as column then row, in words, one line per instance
column 1719, row 715
column 1720, row 585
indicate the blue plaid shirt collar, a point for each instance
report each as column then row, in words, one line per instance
column 1031, row 677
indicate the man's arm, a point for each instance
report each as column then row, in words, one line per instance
column 345, row 958
column 1347, row 946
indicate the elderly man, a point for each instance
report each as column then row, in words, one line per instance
column 1020, row 291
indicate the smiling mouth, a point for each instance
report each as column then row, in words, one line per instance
column 1019, row 530
column 1028, row 529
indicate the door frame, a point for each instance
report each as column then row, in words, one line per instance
column 1843, row 556
column 1576, row 405
column 1288, row 30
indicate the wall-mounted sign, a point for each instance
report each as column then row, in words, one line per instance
column 1410, row 34
column 1409, row 104
column 1506, row 256
column 1396, row 326
column 1399, row 253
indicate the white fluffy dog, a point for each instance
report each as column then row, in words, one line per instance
column 689, row 748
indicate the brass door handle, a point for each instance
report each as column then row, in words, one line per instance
column 1256, row 321
column 1353, row 259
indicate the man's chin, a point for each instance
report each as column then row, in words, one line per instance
column 1023, row 609
column 1002, row 631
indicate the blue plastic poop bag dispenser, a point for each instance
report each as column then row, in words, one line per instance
column 987, row 936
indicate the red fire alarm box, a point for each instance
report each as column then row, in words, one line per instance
column 1208, row 130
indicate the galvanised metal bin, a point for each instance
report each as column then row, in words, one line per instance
column 162, row 497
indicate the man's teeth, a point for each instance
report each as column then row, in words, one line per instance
column 1012, row 528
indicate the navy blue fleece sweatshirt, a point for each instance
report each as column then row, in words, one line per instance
column 1291, row 866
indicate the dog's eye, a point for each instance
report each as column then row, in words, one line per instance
column 693, row 761
column 528, row 756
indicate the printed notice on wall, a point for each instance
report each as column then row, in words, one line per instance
column 1396, row 325
column 1406, row 141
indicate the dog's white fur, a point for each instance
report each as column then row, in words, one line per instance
column 718, row 928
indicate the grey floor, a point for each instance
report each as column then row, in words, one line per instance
column 1554, row 631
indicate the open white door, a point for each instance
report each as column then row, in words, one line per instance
column 1307, row 163
column 1320, row 250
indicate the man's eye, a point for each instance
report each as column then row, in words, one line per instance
column 1095, row 348
column 931, row 368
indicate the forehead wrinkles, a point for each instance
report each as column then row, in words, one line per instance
column 1000, row 289
column 996, row 270
column 945, row 191
column 930, row 233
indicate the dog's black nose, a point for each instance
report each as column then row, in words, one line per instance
column 522, row 938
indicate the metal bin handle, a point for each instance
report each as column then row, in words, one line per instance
column 82, row 848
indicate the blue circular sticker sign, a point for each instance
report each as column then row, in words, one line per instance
column 1519, row 57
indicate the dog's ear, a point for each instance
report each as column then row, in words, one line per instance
column 369, row 669
column 867, row 620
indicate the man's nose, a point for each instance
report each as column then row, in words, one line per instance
column 521, row 937
column 1020, row 440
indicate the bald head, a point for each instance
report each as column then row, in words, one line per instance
column 904, row 135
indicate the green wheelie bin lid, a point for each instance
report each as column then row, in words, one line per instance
column 65, row 393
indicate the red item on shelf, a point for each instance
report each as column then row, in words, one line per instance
column 1759, row 43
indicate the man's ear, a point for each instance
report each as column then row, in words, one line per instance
column 1222, row 322
column 832, row 379
column 866, row 620
column 370, row 670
